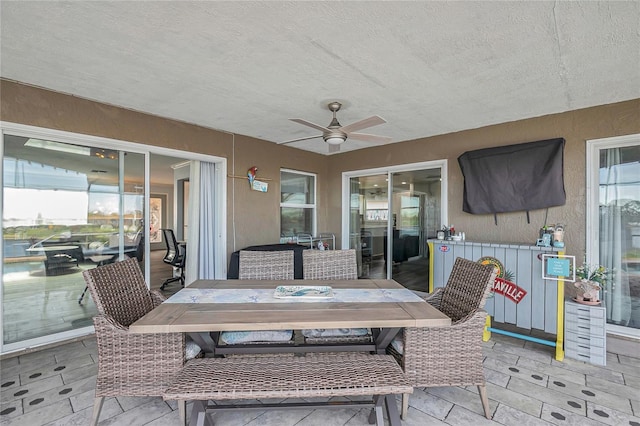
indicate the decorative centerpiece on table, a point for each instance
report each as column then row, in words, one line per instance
column 591, row 280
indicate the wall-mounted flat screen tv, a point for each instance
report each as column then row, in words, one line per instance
column 520, row 177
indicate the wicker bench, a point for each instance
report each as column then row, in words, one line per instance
column 282, row 377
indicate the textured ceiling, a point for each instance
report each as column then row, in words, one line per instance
column 428, row 68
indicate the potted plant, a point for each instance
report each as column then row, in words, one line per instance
column 591, row 280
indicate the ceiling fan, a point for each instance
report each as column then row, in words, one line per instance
column 335, row 133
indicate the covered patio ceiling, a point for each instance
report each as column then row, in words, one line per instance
column 427, row 68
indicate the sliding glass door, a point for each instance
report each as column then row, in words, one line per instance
column 613, row 226
column 407, row 203
column 67, row 207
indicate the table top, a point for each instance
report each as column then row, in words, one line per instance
column 52, row 248
column 213, row 313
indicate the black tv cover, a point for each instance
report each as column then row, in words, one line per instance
column 511, row 178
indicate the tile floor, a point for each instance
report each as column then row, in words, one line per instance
column 526, row 386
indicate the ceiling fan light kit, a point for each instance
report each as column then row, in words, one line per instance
column 335, row 134
column 335, row 139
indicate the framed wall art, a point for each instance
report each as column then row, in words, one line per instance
column 157, row 216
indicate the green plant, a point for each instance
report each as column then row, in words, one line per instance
column 598, row 274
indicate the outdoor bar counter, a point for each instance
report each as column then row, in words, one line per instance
column 526, row 300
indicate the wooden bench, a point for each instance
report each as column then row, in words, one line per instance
column 277, row 376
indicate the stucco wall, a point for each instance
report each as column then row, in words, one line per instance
column 253, row 217
column 575, row 126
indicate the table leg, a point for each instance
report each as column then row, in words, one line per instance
column 392, row 410
column 384, row 338
column 199, row 414
column 205, row 341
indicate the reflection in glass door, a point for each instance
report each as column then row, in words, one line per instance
column 368, row 223
column 66, row 208
column 614, row 221
column 406, row 204
column 415, row 207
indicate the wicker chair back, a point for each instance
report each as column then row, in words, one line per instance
column 467, row 289
column 265, row 265
column 119, row 291
column 330, row 264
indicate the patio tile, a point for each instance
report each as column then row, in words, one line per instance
column 414, row 418
column 35, row 417
column 277, row 418
column 510, row 416
column 10, row 408
column 591, row 394
column 53, row 369
column 129, row 402
column 533, row 353
column 84, row 400
column 626, row 369
column 635, row 407
column 9, row 363
column 140, row 415
column 587, row 369
column 624, row 359
column 610, row 416
column 59, row 393
column 9, row 380
column 331, row 417
column 32, row 388
column 524, row 373
column 518, row 400
column 625, row 391
column 558, row 416
column 89, row 370
column 460, row 416
column 459, row 396
column 633, row 381
column 550, row 396
column 603, row 398
column 496, row 377
column 497, row 355
column 110, row 409
column 429, row 404
column 552, row 370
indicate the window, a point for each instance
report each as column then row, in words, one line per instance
column 297, row 203
column 613, row 226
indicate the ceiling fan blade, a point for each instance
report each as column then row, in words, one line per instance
column 363, row 124
column 334, row 148
column 310, row 124
column 299, row 139
column 370, row 138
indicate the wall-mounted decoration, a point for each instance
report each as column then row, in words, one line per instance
column 254, row 184
column 503, row 284
column 157, row 203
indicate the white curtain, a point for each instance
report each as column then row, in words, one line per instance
column 206, row 268
column 201, row 234
column 613, row 241
column 193, row 233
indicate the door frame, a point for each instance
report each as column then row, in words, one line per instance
column 220, row 218
column 592, row 168
column 389, row 170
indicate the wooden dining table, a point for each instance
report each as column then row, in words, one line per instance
column 207, row 307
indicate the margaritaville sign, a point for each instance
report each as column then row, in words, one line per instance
column 502, row 284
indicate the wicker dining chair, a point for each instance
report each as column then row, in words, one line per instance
column 332, row 265
column 129, row 364
column 262, row 265
column 265, row 265
column 450, row 355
